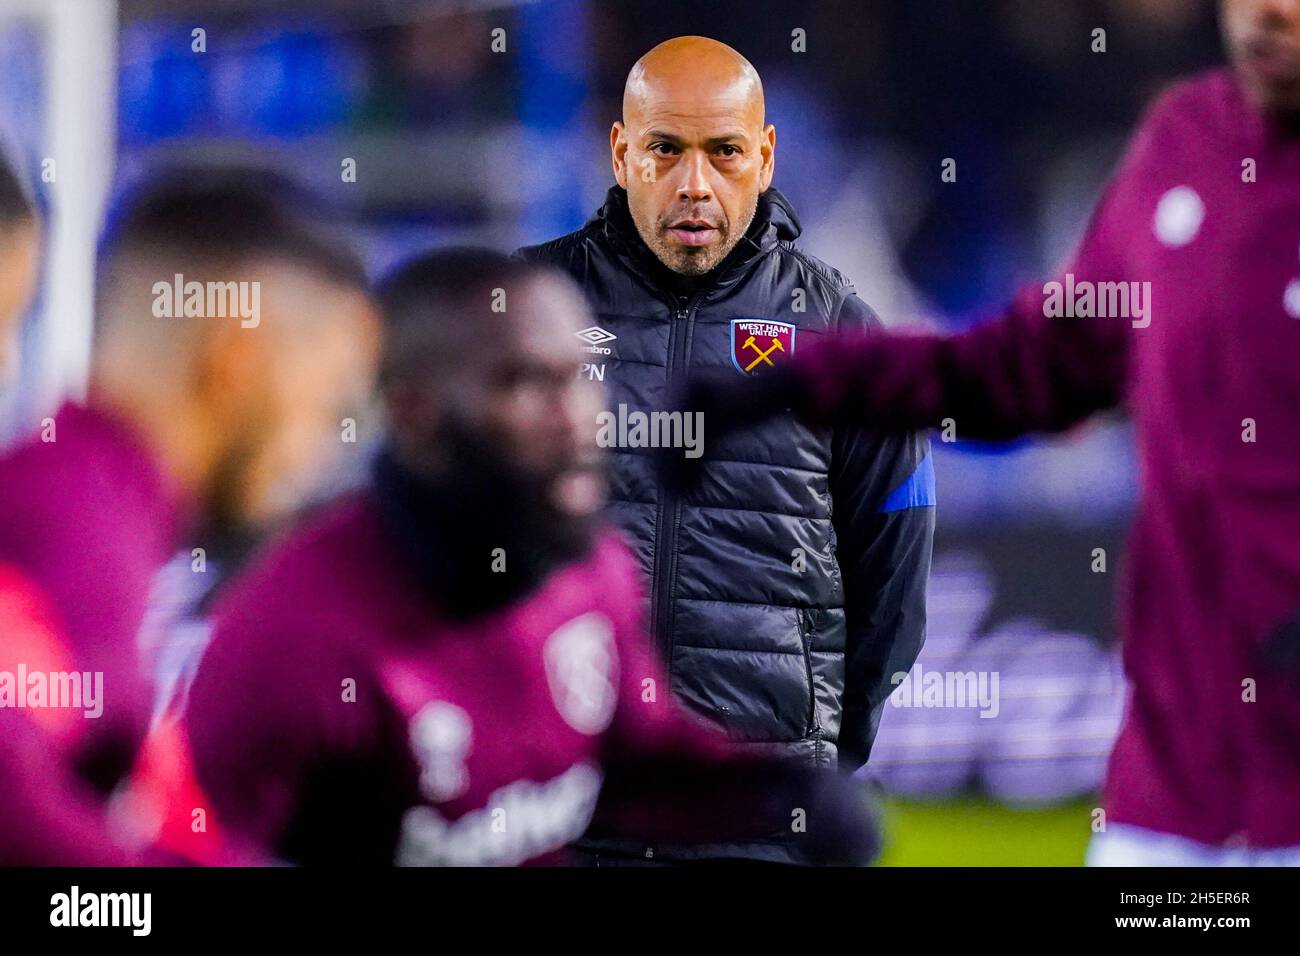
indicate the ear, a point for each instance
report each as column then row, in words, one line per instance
column 367, row 331
column 618, row 152
column 767, row 150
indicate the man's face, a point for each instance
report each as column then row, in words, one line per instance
column 1263, row 40
column 19, row 255
column 693, row 155
column 520, row 393
column 316, row 372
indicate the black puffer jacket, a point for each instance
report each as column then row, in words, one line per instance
column 790, row 584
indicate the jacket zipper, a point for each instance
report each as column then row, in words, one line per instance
column 805, row 635
column 668, row 514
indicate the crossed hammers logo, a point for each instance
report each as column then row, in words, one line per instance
column 762, row 356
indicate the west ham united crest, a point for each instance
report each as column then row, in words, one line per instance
column 757, row 344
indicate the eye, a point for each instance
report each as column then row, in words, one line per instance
column 663, row 149
column 728, row 151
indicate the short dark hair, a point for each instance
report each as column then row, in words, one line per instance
column 226, row 214
column 431, row 301
column 16, row 202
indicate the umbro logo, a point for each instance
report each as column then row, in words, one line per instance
column 595, row 337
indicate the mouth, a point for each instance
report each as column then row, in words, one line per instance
column 579, row 491
column 693, row 232
column 1273, row 62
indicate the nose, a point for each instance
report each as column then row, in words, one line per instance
column 695, row 186
column 574, row 418
column 576, row 412
column 1279, row 12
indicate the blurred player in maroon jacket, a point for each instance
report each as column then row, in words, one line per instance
column 449, row 667
column 20, row 244
column 38, row 793
column 195, row 414
column 1183, row 300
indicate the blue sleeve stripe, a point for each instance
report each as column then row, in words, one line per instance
column 916, row 492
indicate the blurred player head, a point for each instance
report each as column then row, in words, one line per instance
column 19, row 254
column 1263, row 40
column 692, row 150
column 239, row 381
column 479, row 377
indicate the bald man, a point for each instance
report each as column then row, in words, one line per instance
column 789, row 585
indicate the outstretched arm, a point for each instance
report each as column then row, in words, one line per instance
column 1036, row 366
column 1021, row 372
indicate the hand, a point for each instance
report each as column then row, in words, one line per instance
column 830, row 817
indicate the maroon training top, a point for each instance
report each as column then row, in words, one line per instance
column 86, row 518
column 1206, row 208
column 339, row 717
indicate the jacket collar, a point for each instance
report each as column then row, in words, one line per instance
column 774, row 222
